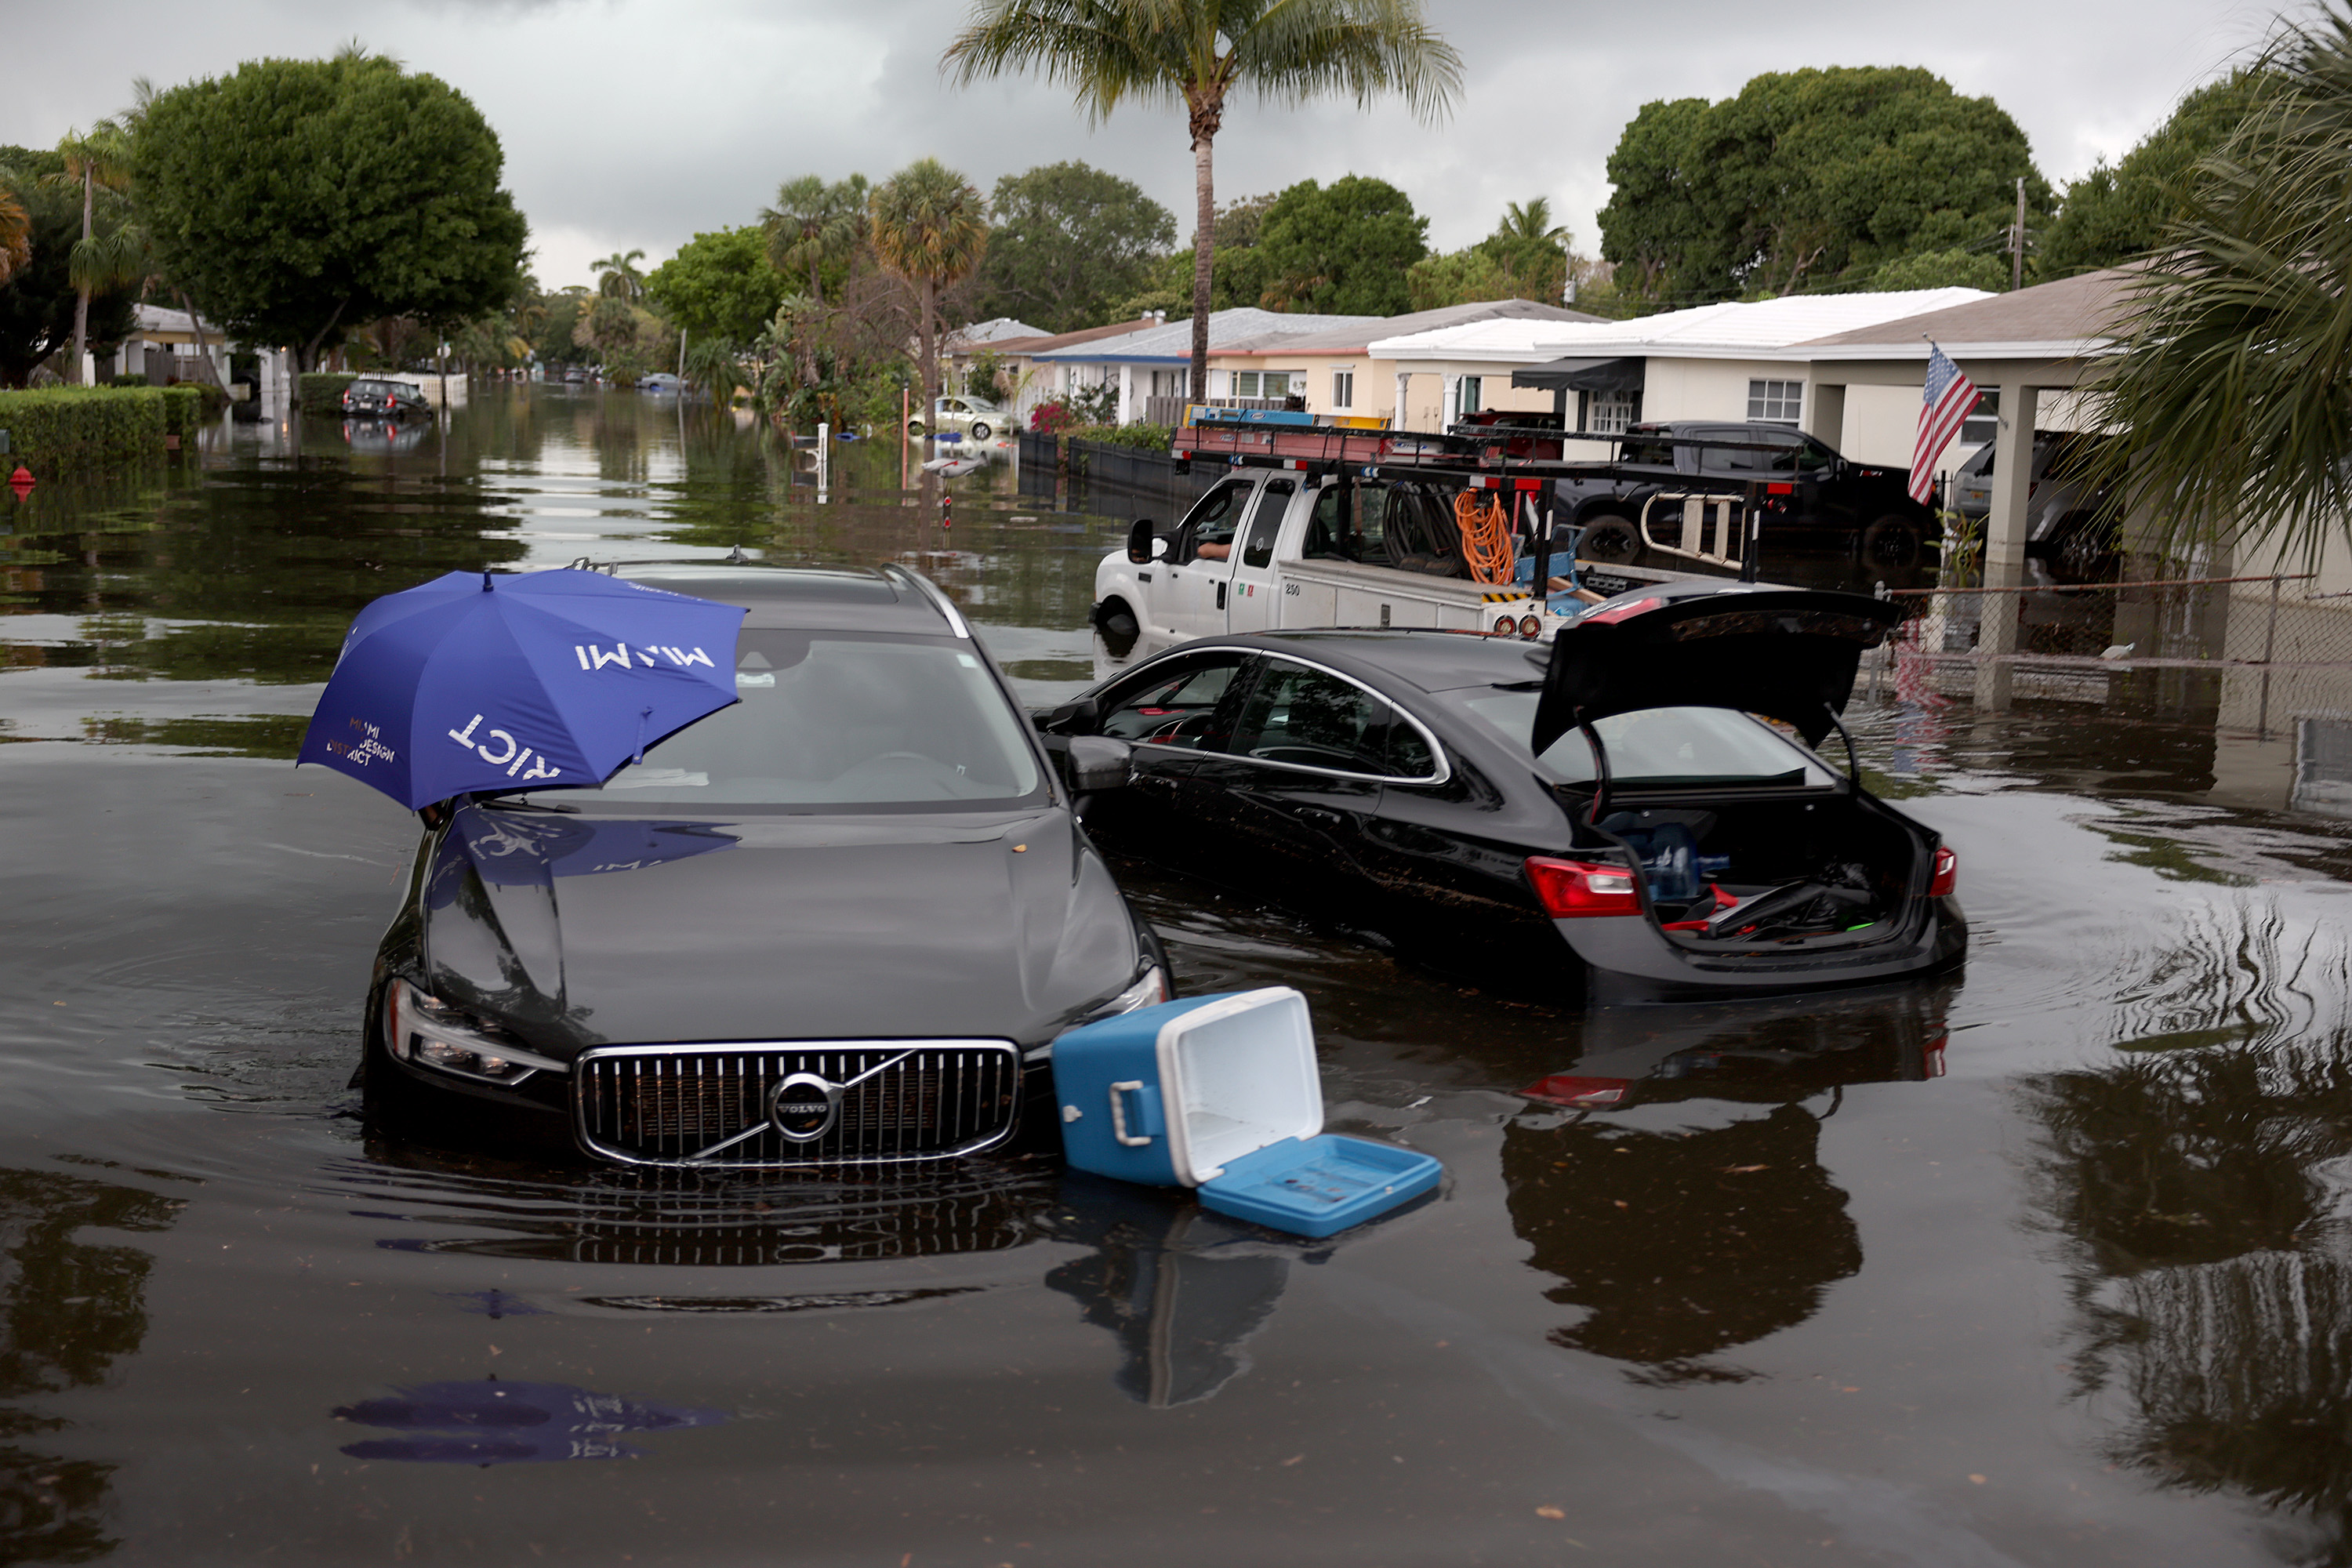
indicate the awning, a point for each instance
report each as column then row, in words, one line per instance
column 1584, row 374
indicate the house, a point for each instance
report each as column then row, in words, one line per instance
column 1155, row 361
column 162, row 347
column 1730, row 360
column 1336, row 372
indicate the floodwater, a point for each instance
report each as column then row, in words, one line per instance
column 2047, row 1263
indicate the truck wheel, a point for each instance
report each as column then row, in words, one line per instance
column 1117, row 625
column 1612, row 540
column 979, row 430
column 1891, row 541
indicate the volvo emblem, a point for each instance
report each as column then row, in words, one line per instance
column 804, row 1107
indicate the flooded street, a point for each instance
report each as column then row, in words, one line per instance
column 2049, row 1262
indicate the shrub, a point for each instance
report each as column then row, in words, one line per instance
column 136, row 378
column 322, row 391
column 183, row 409
column 1141, row 437
column 60, row 428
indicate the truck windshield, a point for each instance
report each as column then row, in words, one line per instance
column 1658, row 747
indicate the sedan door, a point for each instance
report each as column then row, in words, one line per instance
column 1167, row 711
column 1289, row 801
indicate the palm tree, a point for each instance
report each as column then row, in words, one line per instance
column 102, row 259
column 930, row 227
column 1194, row 52
column 2229, row 381
column 815, row 224
column 1532, row 222
column 617, row 276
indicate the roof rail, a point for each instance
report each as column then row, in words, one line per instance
column 931, row 591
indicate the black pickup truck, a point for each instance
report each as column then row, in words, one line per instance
column 1811, row 494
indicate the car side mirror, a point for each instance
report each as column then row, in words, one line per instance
column 1082, row 716
column 1099, row 762
column 1140, row 542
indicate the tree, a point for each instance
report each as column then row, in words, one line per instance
column 15, row 228
column 720, row 285
column 1941, row 270
column 1807, row 178
column 111, row 251
column 2112, row 214
column 816, row 226
column 2229, row 383
column 1069, row 242
column 38, row 301
column 929, row 227
column 1195, row 52
column 295, row 197
column 617, row 276
column 1341, row 249
column 1527, row 258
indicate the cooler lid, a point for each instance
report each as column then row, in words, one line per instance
column 1321, row 1185
column 1787, row 653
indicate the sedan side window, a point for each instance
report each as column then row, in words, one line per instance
column 1311, row 719
column 1173, row 706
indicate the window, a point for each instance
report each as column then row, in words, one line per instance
column 1309, row 719
column 1343, row 389
column 1265, row 521
column 1244, row 383
column 1173, row 705
column 1657, row 746
column 1983, row 422
column 1472, row 386
column 1610, row 413
column 1359, row 539
column 1776, row 401
column 1748, row 456
column 1216, row 516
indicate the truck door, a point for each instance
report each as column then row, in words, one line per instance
column 1250, row 605
column 1199, row 573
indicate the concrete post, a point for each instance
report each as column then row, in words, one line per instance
column 1451, row 409
column 2004, row 546
column 1127, row 395
column 1403, row 381
column 1824, row 415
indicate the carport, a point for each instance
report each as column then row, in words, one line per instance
column 1562, row 376
column 2036, row 342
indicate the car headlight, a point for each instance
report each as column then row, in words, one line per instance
column 420, row 1027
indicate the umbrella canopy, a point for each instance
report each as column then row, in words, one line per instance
column 548, row 679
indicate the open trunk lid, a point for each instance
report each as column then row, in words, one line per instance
column 1787, row 653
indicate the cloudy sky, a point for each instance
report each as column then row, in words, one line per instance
column 632, row 124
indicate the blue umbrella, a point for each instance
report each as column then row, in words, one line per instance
column 547, row 679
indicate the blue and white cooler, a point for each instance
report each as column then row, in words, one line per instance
column 1221, row 1094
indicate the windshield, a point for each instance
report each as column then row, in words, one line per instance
column 1659, row 746
column 838, row 719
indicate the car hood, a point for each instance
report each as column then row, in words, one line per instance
column 581, row 932
column 1788, row 653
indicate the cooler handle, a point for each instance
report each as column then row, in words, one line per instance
column 1146, row 1113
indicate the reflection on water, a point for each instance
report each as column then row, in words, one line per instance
column 70, row 1308
column 494, row 1423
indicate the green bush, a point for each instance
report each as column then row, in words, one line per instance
column 1139, row 436
column 136, row 378
column 60, row 428
column 183, row 409
column 322, row 391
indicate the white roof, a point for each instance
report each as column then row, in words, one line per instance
column 1756, row 329
column 1172, row 341
column 993, row 330
column 156, row 319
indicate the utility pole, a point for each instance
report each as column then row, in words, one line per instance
column 2017, row 242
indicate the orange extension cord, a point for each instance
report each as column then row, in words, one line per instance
column 1485, row 536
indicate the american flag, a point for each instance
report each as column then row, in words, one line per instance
column 1943, row 404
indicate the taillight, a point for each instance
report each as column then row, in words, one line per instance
column 1579, row 890
column 1580, row 1093
column 1947, row 874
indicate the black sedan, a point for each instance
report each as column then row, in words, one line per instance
column 386, row 399
column 840, row 922
column 1616, row 816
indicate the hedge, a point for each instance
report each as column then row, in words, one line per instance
column 56, row 428
column 322, row 391
column 184, row 408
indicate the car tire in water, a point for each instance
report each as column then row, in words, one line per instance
column 1891, row 541
column 1611, row 540
column 979, row 430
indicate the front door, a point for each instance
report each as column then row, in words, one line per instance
column 1200, row 570
column 1250, row 604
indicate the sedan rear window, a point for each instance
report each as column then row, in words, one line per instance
column 840, row 719
column 1659, row 747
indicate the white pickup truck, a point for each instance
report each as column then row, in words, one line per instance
column 1268, row 548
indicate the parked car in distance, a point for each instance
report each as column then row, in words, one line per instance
column 1812, row 492
column 963, row 416
column 661, row 380
column 1605, row 818
column 392, row 399
column 2068, row 517
column 839, row 924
